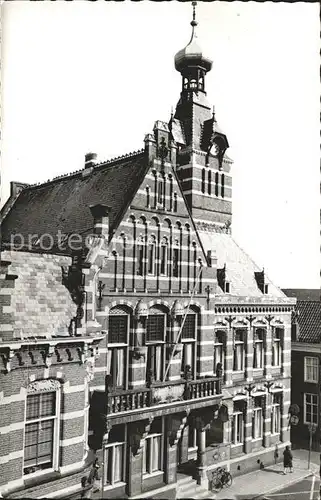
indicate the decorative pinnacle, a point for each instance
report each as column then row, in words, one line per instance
column 194, row 22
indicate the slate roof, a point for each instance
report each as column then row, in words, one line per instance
column 63, row 203
column 41, row 305
column 303, row 293
column 309, row 320
column 240, row 268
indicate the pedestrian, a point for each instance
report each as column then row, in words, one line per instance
column 287, row 459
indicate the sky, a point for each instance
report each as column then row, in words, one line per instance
column 94, row 76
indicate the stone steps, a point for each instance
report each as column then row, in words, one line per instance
column 187, row 487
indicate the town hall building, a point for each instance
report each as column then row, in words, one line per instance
column 134, row 329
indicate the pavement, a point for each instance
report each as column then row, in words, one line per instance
column 261, row 484
column 307, row 489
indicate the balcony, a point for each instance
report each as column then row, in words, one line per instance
column 162, row 393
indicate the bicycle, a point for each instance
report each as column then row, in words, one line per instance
column 221, row 478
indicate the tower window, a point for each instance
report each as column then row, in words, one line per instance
column 222, row 185
column 140, row 259
column 203, row 180
column 175, row 202
column 161, row 191
column 147, row 197
column 209, row 187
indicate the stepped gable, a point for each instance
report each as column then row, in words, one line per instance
column 40, row 305
column 240, row 267
column 309, row 320
column 63, row 203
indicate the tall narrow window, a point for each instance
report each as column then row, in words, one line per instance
column 151, row 257
column 175, row 262
column 115, row 456
column 195, row 263
column 163, row 257
column 257, row 419
column 258, row 348
column 222, row 185
column 161, row 190
column 203, row 180
column 175, row 202
column 238, row 361
column 147, row 197
column 237, row 424
column 140, row 259
column 218, row 350
column 170, row 192
column 155, row 340
column 192, row 437
column 152, row 449
column 209, row 186
column 188, row 339
column 276, row 414
column 41, row 431
column 216, row 183
column 276, row 347
column 118, row 327
column 310, row 408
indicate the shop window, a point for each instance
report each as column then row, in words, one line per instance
column 115, row 456
column 276, row 414
column 237, row 436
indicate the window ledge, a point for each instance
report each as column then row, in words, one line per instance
column 275, row 434
column 257, row 439
column 113, row 486
column 236, row 445
column 40, row 476
column 153, row 474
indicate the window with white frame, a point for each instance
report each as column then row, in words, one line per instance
column 311, row 369
column 152, row 449
column 310, row 408
column 151, row 256
column 117, row 353
column 41, row 441
column 238, row 358
column 163, row 257
column 155, row 341
column 237, row 436
column 188, row 339
column 276, row 347
column 258, row 348
column 218, row 350
column 115, row 456
column 257, row 419
column 276, row 414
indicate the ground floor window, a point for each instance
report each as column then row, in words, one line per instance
column 152, row 449
column 276, row 414
column 257, row 419
column 192, row 437
column 237, row 425
column 310, row 408
column 115, row 456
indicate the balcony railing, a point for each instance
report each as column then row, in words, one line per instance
column 136, row 399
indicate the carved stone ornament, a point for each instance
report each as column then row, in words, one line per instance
column 169, row 393
column 137, row 433
column 176, row 424
column 47, row 385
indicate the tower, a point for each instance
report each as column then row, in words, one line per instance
column 202, row 164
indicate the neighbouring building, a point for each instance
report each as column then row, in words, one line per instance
column 124, row 279
column 306, row 367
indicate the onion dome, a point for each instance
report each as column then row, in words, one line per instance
column 192, row 54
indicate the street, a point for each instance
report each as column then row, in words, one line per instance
column 307, row 489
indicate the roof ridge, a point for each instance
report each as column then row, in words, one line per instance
column 114, row 160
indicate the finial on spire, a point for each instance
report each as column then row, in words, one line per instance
column 213, row 113
column 172, row 112
column 194, row 22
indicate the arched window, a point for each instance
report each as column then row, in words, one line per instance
column 176, row 259
column 115, row 255
column 140, row 257
column 147, row 196
column 216, row 183
column 118, row 341
column 203, row 180
column 222, row 185
column 151, row 255
column 209, row 186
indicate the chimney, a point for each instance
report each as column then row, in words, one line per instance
column 90, row 160
column 101, row 219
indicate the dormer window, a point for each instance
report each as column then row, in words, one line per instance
column 227, row 287
column 261, row 282
column 266, row 289
column 223, row 281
